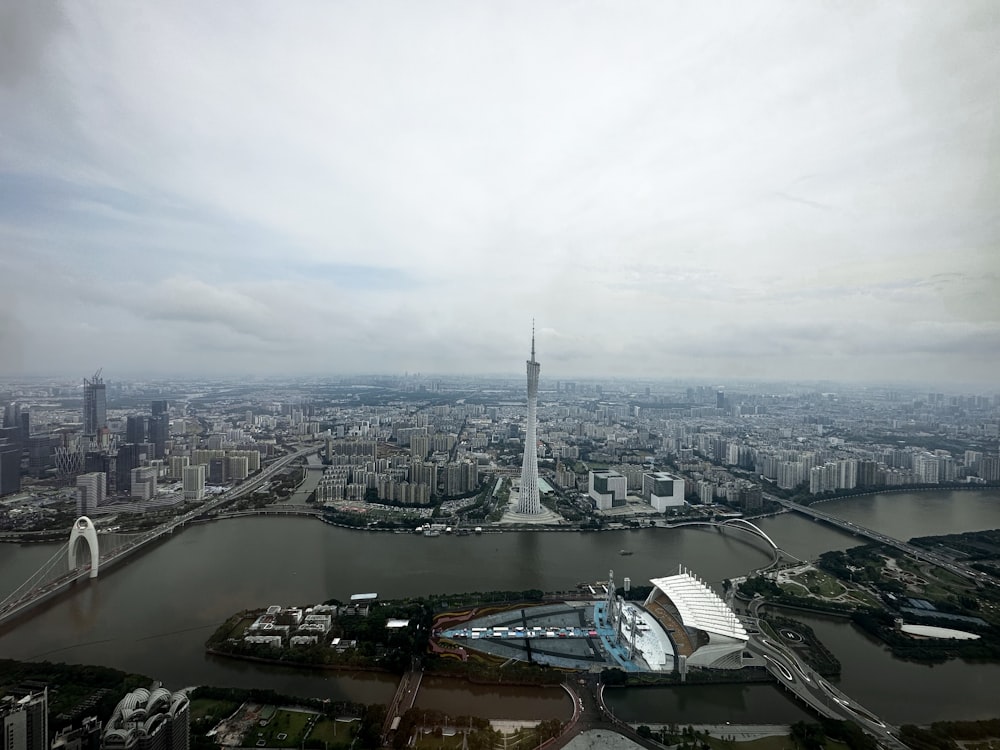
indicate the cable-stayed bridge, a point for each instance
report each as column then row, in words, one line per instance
column 87, row 552
column 78, row 558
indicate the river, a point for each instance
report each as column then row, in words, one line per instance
column 153, row 614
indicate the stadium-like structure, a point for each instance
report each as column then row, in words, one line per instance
column 149, row 720
column 705, row 632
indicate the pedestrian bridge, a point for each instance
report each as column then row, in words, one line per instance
column 740, row 524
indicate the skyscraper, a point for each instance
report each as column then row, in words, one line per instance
column 135, row 429
column 90, row 492
column 24, row 721
column 529, row 503
column 95, row 405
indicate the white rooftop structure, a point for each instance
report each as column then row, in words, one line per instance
column 700, row 607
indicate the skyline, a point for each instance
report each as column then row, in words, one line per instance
column 759, row 193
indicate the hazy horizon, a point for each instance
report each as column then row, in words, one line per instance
column 760, row 192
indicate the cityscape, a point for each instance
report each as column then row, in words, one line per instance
column 499, row 376
column 476, row 457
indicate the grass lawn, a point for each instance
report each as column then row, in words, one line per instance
column 333, row 732
column 291, row 724
column 430, row 742
column 768, row 743
column 240, row 628
column 865, row 598
column 826, row 586
column 208, row 708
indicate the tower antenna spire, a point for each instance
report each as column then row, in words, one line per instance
column 532, row 339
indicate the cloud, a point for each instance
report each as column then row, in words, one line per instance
column 668, row 189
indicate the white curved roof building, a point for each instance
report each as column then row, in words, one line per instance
column 145, row 720
column 705, row 631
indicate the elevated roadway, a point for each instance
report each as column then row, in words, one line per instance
column 918, row 553
column 809, row 687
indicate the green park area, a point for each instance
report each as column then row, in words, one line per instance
column 284, row 728
column 812, row 582
column 209, row 710
column 330, row 733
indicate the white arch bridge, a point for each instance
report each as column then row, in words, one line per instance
column 78, row 558
column 741, row 524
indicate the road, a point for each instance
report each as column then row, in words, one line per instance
column 51, row 588
column 809, row 686
column 918, row 553
column 589, row 712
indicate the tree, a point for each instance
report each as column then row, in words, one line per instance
column 808, row 735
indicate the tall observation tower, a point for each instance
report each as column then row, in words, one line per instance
column 529, row 504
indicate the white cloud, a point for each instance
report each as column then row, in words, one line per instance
column 399, row 186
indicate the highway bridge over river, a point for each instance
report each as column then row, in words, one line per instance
column 919, row 553
column 61, row 570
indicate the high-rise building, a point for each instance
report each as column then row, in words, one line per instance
column 149, row 720
column 217, row 470
column 24, row 721
column 159, row 432
column 236, row 468
column 10, row 469
column 95, row 405
column 529, row 503
column 194, row 482
column 90, row 492
column 143, row 483
column 135, row 429
column 40, row 450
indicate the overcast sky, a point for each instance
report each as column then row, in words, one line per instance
column 726, row 190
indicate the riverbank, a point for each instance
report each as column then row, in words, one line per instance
column 210, row 570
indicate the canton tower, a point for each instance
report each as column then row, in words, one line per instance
column 529, row 503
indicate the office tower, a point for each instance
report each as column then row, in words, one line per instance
column 159, row 432
column 149, row 720
column 159, row 407
column 217, row 471
column 40, row 450
column 194, row 482
column 95, row 405
column 128, row 458
column 720, row 400
column 529, row 503
column 12, row 415
column 10, row 469
column 90, row 492
column 135, row 429
column 143, row 486
column 24, row 721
